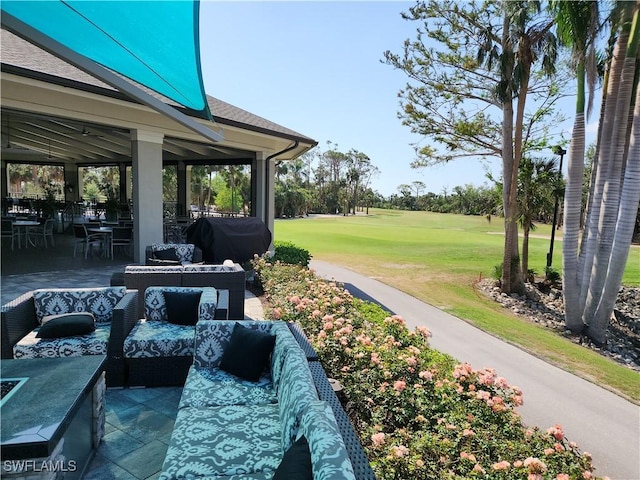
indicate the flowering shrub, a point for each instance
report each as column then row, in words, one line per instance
column 418, row 412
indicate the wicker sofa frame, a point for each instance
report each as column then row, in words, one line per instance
column 224, row 279
column 357, row 455
column 18, row 318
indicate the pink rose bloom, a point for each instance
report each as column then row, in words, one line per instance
column 295, row 299
column 426, row 375
column 316, row 313
column 327, row 318
column 412, row 361
column 478, row 468
column 399, row 385
column 467, row 432
column 556, row 432
column 277, row 313
column 424, row 331
column 562, row 476
column 503, row 465
column 328, row 326
column 377, row 439
column 586, row 474
column 549, row 451
column 400, row 451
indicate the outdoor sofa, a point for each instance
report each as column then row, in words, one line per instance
column 77, row 321
column 159, row 349
column 230, row 279
column 248, row 407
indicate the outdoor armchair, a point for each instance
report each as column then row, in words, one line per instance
column 159, row 349
column 112, row 308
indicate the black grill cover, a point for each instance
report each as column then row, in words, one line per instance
column 237, row 239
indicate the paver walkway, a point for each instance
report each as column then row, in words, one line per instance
column 600, row 422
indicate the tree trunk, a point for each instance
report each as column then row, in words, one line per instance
column 629, row 200
column 571, row 226
column 611, row 193
column 607, row 271
column 511, row 280
column 604, row 154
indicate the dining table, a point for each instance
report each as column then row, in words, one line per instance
column 24, row 226
column 106, row 232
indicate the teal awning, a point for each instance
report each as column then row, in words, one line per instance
column 153, row 43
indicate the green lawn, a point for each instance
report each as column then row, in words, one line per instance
column 438, row 258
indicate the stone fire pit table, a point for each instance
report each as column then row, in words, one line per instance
column 53, row 421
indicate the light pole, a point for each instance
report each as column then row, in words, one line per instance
column 558, row 150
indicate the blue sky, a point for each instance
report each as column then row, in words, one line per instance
column 315, row 67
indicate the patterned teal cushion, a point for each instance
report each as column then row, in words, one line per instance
column 230, row 440
column 159, row 339
column 94, row 343
column 98, row 301
column 214, row 387
column 329, row 455
column 295, row 392
column 285, row 342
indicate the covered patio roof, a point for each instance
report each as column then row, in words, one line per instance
column 52, row 111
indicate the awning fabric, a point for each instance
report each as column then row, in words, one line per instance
column 154, row 43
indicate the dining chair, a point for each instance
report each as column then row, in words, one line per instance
column 85, row 239
column 45, row 231
column 10, row 231
column 122, row 237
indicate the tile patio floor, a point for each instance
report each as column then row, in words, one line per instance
column 139, row 421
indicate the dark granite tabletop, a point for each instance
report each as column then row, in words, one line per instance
column 35, row 416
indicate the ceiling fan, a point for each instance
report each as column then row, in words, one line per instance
column 85, row 132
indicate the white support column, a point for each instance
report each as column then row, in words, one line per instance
column 261, row 186
column 270, row 197
column 146, row 152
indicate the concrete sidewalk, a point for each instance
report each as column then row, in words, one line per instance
column 600, row 422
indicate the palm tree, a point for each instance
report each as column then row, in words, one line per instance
column 619, row 178
column 538, row 181
column 592, row 279
column 576, row 26
column 525, row 40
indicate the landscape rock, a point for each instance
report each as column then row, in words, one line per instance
column 547, row 309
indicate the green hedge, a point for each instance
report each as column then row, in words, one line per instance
column 287, row 252
column 419, row 413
